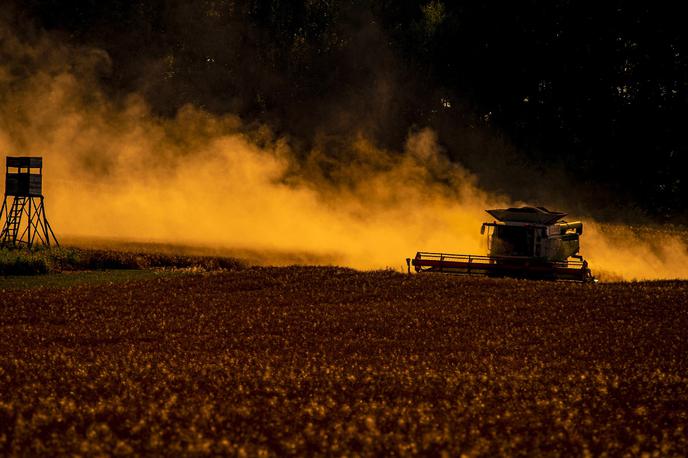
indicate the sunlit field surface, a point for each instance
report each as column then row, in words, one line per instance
column 298, row 360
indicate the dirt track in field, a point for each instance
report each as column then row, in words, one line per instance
column 306, row 359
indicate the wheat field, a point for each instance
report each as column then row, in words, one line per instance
column 322, row 360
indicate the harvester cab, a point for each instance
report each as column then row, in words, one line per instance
column 526, row 242
column 533, row 232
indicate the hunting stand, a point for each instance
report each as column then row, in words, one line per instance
column 23, row 211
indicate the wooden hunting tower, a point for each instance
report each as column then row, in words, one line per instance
column 23, row 213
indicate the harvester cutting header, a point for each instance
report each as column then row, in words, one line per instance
column 525, row 242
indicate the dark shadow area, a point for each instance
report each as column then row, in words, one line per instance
column 574, row 105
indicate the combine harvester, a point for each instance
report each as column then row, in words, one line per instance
column 526, row 242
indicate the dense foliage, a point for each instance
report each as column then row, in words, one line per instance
column 291, row 361
column 597, row 90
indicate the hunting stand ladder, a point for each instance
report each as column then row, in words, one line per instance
column 23, row 213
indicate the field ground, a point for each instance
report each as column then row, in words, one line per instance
column 22, row 262
column 78, row 278
column 299, row 360
column 262, row 256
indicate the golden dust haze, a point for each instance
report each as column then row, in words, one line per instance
column 112, row 169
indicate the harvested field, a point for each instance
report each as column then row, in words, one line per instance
column 298, row 360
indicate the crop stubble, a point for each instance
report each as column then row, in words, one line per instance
column 329, row 360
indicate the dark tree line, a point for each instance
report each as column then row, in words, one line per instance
column 593, row 95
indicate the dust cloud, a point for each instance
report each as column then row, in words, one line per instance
column 635, row 253
column 113, row 169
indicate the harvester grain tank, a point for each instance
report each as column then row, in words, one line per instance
column 525, row 242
